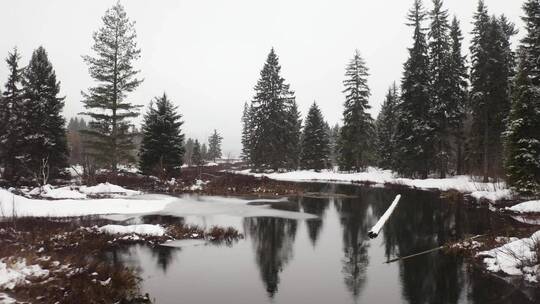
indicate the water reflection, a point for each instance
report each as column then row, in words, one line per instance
column 330, row 258
column 272, row 240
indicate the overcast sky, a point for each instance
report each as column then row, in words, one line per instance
column 207, row 55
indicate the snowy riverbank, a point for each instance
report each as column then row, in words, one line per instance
column 462, row 183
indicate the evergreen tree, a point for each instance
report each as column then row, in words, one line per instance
column 315, row 141
column 458, row 93
column 197, row 156
column 271, row 119
column 214, row 146
column 246, row 132
column 441, row 103
column 333, row 135
column 162, row 148
column 109, row 136
column 415, row 133
column 46, row 142
column 13, row 121
column 522, row 138
column 357, row 130
column 293, row 140
column 385, row 126
column 491, row 72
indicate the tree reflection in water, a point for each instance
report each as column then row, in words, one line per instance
column 315, row 206
column 273, row 240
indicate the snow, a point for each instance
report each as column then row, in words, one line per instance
column 5, row 299
column 70, row 207
column 106, row 188
column 48, row 191
column 198, row 185
column 516, row 258
column 495, row 195
column 142, row 229
column 526, row 207
column 461, row 183
column 13, row 274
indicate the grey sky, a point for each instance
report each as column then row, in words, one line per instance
column 207, row 54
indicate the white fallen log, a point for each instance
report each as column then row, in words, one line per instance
column 374, row 232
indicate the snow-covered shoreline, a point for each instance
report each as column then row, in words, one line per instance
column 464, row 184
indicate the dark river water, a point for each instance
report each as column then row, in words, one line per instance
column 329, row 259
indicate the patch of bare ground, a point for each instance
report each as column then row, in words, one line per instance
column 71, row 250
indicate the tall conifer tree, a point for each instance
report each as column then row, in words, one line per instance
column 522, row 138
column 162, row 147
column 271, row 119
column 415, row 132
column 357, row 131
column 13, row 121
column 315, row 141
column 46, row 150
column 214, row 146
column 385, row 126
column 109, row 135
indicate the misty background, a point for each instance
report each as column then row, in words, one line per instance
column 207, row 54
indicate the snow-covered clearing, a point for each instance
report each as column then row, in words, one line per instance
column 526, row 207
column 106, row 188
column 462, row 183
column 49, row 191
column 16, row 273
column 518, row 257
column 142, row 229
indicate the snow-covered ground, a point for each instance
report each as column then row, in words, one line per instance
column 518, row 257
column 16, row 273
column 142, row 229
column 462, row 183
column 526, row 207
column 74, row 192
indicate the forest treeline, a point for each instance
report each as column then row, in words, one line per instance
column 453, row 112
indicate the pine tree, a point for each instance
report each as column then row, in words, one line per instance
column 214, row 146
column 46, row 142
column 458, row 93
column 333, row 136
column 197, row 156
column 115, row 50
column 357, row 130
column 13, row 121
column 162, row 147
column 440, row 105
column 491, row 72
column 522, row 138
column 415, row 133
column 271, row 119
column 315, row 141
column 385, row 126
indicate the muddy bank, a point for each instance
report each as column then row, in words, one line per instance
column 61, row 260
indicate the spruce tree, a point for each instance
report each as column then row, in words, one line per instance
column 315, row 141
column 522, row 138
column 13, row 121
column 491, row 72
column 214, row 146
column 162, row 147
column 246, row 132
column 415, row 132
column 46, row 142
column 204, row 151
column 385, row 127
column 333, row 136
column 188, row 155
column 458, row 94
column 109, row 135
column 356, row 133
column 293, row 139
column 271, row 119
column 440, row 71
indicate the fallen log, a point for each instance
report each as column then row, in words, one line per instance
column 374, row 232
